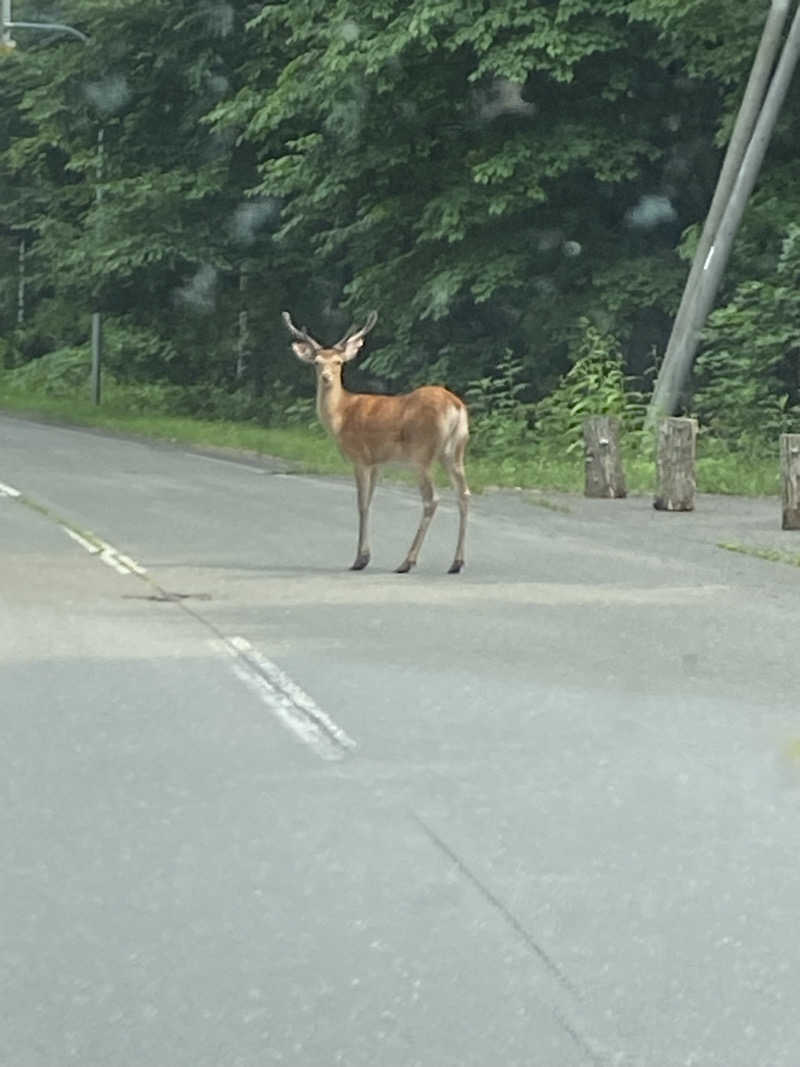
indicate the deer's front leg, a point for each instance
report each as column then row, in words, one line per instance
column 365, row 487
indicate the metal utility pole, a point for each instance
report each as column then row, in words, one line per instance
column 21, row 282
column 97, row 320
column 243, row 338
column 755, row 122
column 8, row 42
column 5, row 24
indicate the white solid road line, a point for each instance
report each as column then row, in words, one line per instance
column 290, row 704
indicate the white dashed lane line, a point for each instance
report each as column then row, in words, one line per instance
column 109, row 555
column 290, row 704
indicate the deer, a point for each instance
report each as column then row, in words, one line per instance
column 413, row 429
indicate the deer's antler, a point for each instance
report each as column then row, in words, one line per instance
column 298, row 334
column 353, row 334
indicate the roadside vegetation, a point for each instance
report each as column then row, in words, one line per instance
column 514, row 444
column 516, row 187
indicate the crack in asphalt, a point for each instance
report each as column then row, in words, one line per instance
column 525, row 936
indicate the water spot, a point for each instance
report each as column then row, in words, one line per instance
column 345, row 117
column 219, row 17
column 200, row 293
column 108, row 96
column 349, row 31
column 249, row 217
column 218, row 84
column 571, row 249
column 548, row 240
column 502, row 97
column 651, row 211
column 545, row 287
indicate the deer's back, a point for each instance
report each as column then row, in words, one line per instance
column 410, row 428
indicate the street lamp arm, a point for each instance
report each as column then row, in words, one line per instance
column 59, row 26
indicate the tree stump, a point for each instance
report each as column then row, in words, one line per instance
column 604, row 474
column 790, row 476
column 676, row 483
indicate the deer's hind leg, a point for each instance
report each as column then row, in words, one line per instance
column 429, row 502
column 454, row 465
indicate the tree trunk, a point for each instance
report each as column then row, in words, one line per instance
column 604, row 474
column 790, row 475
column 676, row 482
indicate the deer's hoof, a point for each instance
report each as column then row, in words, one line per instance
column 404, row 567
column 456, row 566
column 360, row 563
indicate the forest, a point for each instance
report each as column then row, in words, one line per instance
column 516, row 186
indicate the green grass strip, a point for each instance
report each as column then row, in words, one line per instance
column 309, row 450
column 773, row 555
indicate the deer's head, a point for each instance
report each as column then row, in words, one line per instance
column 328, row 362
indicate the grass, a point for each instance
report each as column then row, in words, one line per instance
column 740, row 473
column 773, row 555
column 549, row 505
column 310, row 450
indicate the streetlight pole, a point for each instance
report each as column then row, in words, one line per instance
column 7, row 42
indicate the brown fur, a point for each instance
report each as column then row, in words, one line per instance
column 387, row 429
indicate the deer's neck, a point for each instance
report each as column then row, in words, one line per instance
column 331, row 405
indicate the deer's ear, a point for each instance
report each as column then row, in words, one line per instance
column 352, row 347
column 303, row 350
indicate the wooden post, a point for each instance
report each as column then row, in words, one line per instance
column 676, row 482
column 790, row 475
column 604, row 474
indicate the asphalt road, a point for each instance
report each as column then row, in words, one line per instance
column 258, row 809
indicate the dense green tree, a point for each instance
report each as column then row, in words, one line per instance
column 490, row 175
column 498, row 168
column 153, row 228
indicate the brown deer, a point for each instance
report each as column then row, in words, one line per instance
column 415, row 429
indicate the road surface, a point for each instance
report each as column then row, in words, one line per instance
column 258, row 809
